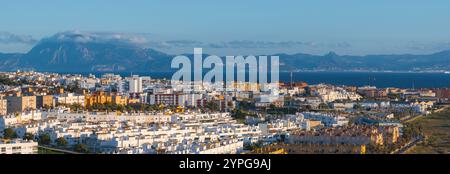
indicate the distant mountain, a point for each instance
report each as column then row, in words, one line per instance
column 72, row 55
column 334, row 62
column 90, row 57
column 10, row 61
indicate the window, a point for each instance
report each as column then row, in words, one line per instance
column 3, row 149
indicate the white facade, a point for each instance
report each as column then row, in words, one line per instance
column 147, row 133
column 18, row 146
column 70, row 98
column 13, row 119
column 135, row 84
column 327, row 119
column 340, row 95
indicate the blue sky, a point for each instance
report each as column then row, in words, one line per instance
column 353, row 27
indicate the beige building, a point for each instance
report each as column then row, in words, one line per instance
column 3, row 105
column 19, row 104
column 43, row 101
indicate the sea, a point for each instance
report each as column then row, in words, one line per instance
column 378, row 79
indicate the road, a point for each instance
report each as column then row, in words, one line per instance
column 408, row 146
column 411, row 145
column 59, row 150
column 419, row 116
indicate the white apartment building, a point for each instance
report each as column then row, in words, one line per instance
column 226, row 147
column 13, row 119
column 18, row 146
column 147, row 133
column 103, row 117
column 339, row 95
column 326, row 119
column 70, row 98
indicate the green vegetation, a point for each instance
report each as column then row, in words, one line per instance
column 4, row 80
column 212, row 106
column 82, row 148
column 412, row 130
column 9, row 133
column 240, row 114
column 48, row 151
column 436, row 128
column 75, row 107
column 246, row 105
column 61, row 141
column 280, row 111
column 44, row 139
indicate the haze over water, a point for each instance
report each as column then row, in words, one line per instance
column 378, row 79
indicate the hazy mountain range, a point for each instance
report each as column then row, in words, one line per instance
column 75, row 53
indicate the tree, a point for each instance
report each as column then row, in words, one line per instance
column 212, row 106
column 129, row 108
column 412, row 130
column 82, row 148
column 44, row 139
column 238, row 114
column 75, row 107
column 120, row 108
column 9, row 133
column 28, row 136
column 61, row 141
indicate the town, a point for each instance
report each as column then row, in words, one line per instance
column 110, row 114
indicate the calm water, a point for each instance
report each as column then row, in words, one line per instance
column 379, row 79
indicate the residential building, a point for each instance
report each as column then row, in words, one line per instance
column 3, row 105
column 167, row 99
column 135, row 84
column 70, row 98
column 18, row 146
column 20, row 103
column 44, row 101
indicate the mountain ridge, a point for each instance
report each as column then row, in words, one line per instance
column 72, row 55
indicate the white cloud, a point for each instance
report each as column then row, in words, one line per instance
column 245, row 44
column 99, row 37
column 10, row 38
column 427, row 47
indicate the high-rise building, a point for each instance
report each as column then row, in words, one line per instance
column 135, row 84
